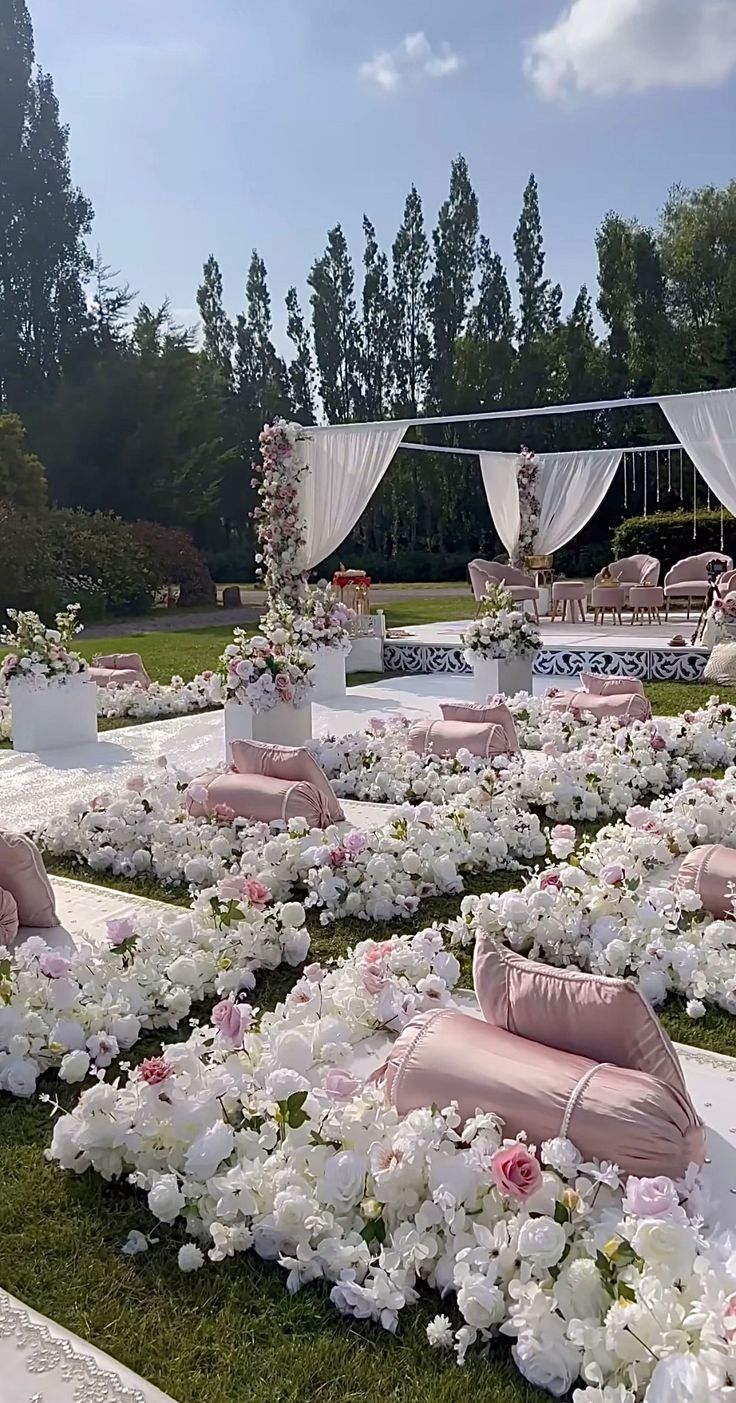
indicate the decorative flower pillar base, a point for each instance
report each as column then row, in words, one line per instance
column 61, row 714
column 505, row 676
column 238, row 724
column 284, row 725
column 328, row 674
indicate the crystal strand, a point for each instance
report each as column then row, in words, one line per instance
column 695, row 504
column 626, row 500
column 669, row 470
column 644, row 470
column 721, row 525
column 657, row 477
column 682, row 490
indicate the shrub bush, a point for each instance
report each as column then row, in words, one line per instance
column 28, row 573
column 176, row 559
column 406, row 566
column 669, row 536
column 232, row 564
column 102, row 551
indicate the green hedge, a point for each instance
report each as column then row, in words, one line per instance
column 669, row 536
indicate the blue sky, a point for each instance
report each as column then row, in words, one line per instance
column 203, row 126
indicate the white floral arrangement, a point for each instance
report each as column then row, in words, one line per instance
column 502, row 630
column 261, row 1136
column 40, row 654
column 279, row 525
column 320, row 620
column 527, row 468
column 262, row 674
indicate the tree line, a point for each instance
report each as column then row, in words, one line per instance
column 135, row 415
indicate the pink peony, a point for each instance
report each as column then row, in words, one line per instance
column 231, row 888
column 284, row 689
column 340, row 1085
column 258, row 893
column 223, row 812
column 729, row 1318
column 651, row 1198
column 228, row 1018
column 708, row 786
column 120, row 929
column 611, row 875
column 516, row 1173
column 373, row 983
column 355, row 842
column 337, row 856
column 564, row 831
column 550, row 879
column 658, row 742
column 638, row 817
column 53, row 965
column 155, row 1070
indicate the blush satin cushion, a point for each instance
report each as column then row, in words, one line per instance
column 711, row 872
column 116, row 677
column 119, row 670
column 23, row 874
column 621, row 708
column 589, row 1015
column 611, row 686
column 8, row 919
column 447, row 737
column 609, row 1113
column 260, row 798
column 288, row 762
column 496, row 714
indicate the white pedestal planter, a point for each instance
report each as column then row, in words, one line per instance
column 238, row 724
column 502, row 675
column 284, row 725
column 366, row 654
column 59, row 715
column 328, row 673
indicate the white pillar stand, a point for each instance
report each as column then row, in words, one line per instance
column 328, row 673
column 238, row 724
column 284, row 725
column 502, row 675
column 60, row 714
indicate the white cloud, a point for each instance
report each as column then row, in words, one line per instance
column 609, row 46
column 413, row 58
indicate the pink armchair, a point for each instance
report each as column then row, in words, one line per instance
column 633, row 570
column 519, row 584
column 688, row 579
column 119, row 670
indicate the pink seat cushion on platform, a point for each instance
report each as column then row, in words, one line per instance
column 260, row 798
column 116, row 677
column 607, row 1020
column 23, row 874
column 643, row 1124
column 494, row 713
column 623, row 708
column 8, row 919
column 711, row 872
column 287, row 762
column 447, row 737
column 598, row 686
column 119, row 670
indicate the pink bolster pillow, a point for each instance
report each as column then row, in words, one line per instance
column 587, row 1015
column 623, row 708
column 497, row 713
column 287, row 762
column 8, row 919
column 711, row 872
column 611, row 686
column 23, row 874
column 260, row 798
column 447, row 737
column 609, row 1113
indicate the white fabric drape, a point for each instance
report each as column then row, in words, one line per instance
column 570, row 488
column 344, row 468
column 705, row 424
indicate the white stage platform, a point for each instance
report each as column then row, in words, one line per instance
column 637, row 650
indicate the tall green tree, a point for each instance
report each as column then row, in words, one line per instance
column 44, row 219
column 336, row 330
column 301, row 368
column 218, row 337
column 540, row 302
column 378, row 328
column 410, row 255
column 22, row 477
column 616, row 298
column 697, row 246
column 450, row 288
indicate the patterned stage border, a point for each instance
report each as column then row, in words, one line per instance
column 650, row 664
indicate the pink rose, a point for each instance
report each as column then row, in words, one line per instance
column 708, row 786
column 197, row 793
column 99, row 802
column 284, row 689
column 377, row 724
column 378, row 952
column 550, row 748
column 231, row 888
column 53, row 965
column 155, row 1071
column 373, row 983
column 258, row 893
column 651, row 1198
column 611, row 875
column 638, row 817
column 340, row 1085
column 120, row 929
column 337, row 856
column 223, row 812
column 136, row 783
column 355, row 842
column 564, row 831
column 729, row 1318
column 550, row 879
column 516, row 1173
column 228, row 1018
column 658, row 742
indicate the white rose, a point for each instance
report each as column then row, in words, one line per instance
column 74, row 1066
column 480, row 1304
column 666, row 1245
column 542, row 1241
column 165, row 1199
column 292, row 913
column 560, row 1154
column 19, row 1077
column 190, row 1258
column 343, row 1181
column 580, row 1293
column 680, row 1377
column 548, row 1362
column 208, row 1151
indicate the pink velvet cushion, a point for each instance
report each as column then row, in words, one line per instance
column 258, row 797
column 496, row 714
column 630, row 1117
column 590, row 1015
column 8, row 919
column 627, row 708
column 288, row 762
column 711, row 872
column 116, row 677
column 447, row 737
column 598, row 686
column 23, row 874
column 119, row 663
